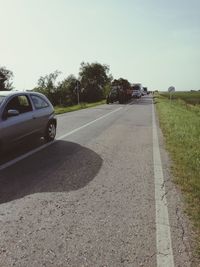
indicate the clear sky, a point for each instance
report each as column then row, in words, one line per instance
column 155, row 42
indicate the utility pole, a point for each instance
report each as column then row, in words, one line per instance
column 78, row 91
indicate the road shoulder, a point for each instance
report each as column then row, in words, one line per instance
column 183, row 243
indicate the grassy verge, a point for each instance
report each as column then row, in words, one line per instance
column 180, row 124
column 188, row 97
column 60, row 110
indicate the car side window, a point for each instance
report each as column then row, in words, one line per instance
column 25, row 105
column 20, row 103
column 39, row 102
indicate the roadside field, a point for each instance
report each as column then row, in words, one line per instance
column 61, row 109
column 189, row 97
column 180, row 123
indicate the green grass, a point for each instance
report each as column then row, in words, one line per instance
column 60, row 109
column 189, row 97
column 180, row 124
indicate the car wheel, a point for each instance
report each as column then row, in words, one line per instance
column 50, row 132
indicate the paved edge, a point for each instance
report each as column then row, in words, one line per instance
column 163, row 234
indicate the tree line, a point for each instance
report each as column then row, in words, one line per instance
column 93, row 84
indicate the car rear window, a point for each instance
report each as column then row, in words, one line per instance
column 39, row 102
column 136, row 87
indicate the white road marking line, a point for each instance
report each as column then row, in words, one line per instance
column 26, row 155
column 12, row 162
column 163, row 234
column 87, row 124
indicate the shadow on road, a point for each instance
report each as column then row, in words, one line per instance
column 20, row 149
column 62, row 167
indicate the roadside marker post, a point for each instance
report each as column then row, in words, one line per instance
column 171, row 90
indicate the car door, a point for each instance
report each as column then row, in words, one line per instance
column 15, row 128
column 42, row 111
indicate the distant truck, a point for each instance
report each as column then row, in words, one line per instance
column 118, row 93
column 137, row 90
column 145, row 90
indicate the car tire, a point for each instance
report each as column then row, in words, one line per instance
column 50, row 132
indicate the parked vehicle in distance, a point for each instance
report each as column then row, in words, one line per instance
column 118, row 93
column 113, row 96
column 25, row 114
column 145, row 91
column 136, row 91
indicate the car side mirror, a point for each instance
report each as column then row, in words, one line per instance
column 12, row 113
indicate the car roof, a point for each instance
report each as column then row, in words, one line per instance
column 15, row 92
column 6, row 93
column 11, row 92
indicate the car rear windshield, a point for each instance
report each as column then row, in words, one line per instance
column 136, row 88
column 1, row 99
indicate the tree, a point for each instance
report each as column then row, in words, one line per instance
column 94, row 78
column 47, row 86
column 66, row 91
column 6, row 77
column 122, row 82
column 106, row 90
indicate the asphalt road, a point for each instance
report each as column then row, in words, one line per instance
column 88, row 199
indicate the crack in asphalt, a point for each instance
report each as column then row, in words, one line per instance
column 164, row 182
column 164, row 195
column 182, row 234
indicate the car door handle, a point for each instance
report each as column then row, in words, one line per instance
column 34, row 117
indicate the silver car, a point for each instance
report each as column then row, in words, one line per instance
column 136, row 94
column 23, row 114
